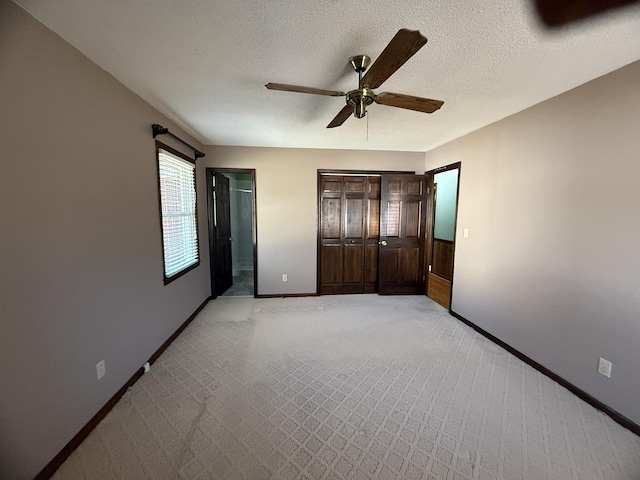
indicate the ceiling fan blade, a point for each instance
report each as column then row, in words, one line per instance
column 419, row 104
column 554, row 13
column 400, row 49
column 342, row 116
column 299, row 89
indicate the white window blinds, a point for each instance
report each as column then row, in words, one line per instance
column 178, row 206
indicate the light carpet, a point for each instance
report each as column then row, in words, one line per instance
column 347, row 387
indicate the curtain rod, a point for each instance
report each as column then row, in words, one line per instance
column 160, row 130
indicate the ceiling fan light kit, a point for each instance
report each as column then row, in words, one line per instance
column 400, row 49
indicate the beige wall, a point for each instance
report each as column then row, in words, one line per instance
column 287, row 211
column 80, row 242
column 552, row 266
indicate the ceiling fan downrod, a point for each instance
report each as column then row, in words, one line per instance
column 363, row 96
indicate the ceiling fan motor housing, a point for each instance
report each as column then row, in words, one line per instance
column 359, row 99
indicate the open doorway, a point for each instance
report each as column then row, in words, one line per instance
column 232, row 231
column 441, row 244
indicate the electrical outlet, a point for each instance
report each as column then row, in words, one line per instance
column 284, row 277
column 146, row 367
column 101, row 369
column 604, row 367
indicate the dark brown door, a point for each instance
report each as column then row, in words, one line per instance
column 222, row 232
column 441, row 223
column 402, row 230
column 348, row 243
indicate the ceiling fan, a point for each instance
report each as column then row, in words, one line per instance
column 401, row 48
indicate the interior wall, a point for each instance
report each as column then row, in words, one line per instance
column 551, row 266
column 81, row 254
column 287, row 204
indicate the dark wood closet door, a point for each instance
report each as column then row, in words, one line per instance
column 353, row 238
column 372, row 235
column 348, row 235
column 402, row 230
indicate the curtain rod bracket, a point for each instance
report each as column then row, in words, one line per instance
column 157, row 129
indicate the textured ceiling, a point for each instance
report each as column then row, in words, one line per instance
column 204, row 63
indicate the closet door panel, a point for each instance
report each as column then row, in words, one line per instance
column 348, row 234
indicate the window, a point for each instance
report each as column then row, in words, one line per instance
column 176, row 180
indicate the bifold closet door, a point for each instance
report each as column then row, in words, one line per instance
column 348, row 231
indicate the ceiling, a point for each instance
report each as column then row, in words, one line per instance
column 204, row 63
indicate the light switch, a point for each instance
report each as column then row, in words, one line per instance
column 465, row 233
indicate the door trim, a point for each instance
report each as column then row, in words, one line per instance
column 254, row 224
column 429, row 228
column 363, row 173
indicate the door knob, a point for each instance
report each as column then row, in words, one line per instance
column 383, row 243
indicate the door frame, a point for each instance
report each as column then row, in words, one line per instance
column 339, row 172
column 430, row 225
column 210, row 171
